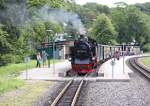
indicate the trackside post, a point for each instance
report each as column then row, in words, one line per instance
column 26, row 61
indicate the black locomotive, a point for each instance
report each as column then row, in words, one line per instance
column 84, row 55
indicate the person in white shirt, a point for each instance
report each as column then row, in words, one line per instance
column 38, row 57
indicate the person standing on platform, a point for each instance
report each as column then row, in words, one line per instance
column 116, row 55
column 44, row 57
column 39, row 60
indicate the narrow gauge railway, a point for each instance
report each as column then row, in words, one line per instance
column 85, row 54
column 69, row 94
column 137, row 66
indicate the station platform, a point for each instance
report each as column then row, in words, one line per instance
column 46, row 73
column 114, row 69
column 60, row 68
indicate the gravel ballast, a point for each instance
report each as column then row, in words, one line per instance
column 136, row 92
column 47, row 98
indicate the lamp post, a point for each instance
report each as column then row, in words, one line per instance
column 123, row 51
column 49, row 48
column 53, row 51
column 53, row 55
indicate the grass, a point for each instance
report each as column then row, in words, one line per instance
column 9, row 84
column 146, row 61
column 8, row 74
column 14, row 69
column 25, row 95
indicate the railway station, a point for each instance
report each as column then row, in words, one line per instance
column 110, row 70
column 74, row 53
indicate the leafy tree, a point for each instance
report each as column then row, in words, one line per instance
column 145, row 7
column 146, row 47
column 90, row 11
column 103, row 31
column 5, row 46
column 131, row 24
column 121, row 4
column 36, row 3
column 51, row 3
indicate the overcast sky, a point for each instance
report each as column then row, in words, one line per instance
column 111, row 2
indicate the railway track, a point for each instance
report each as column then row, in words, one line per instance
column 69, row 94
column 137, row 66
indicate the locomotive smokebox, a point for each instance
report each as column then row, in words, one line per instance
column 83, row 37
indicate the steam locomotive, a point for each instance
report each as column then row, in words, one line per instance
column 84, row 55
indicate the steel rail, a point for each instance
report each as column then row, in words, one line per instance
column 134, row 63
column 60, row 95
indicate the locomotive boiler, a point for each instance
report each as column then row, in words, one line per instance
column 84, row 55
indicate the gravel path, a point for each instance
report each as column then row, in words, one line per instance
column 133, row 93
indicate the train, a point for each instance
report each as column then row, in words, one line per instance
column 86, row 54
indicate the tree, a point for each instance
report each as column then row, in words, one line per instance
column 5, row 47
column 145, row 7
column 89, row 12
column 103, row 31
column 131, row 24
column 51, row 3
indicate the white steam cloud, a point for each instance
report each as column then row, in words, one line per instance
column 18, row 14
column 61, row 16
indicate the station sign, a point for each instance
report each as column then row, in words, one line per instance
column 26, row 59
column 112, row 62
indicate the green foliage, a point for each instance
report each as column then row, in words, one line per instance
column 146, row 47
column 2, row 4
column 146, row 61
column 8, row 75
column 124, row 23
column 56, row 27
column 19, row 40
column 36, row 3
column 71, row 32
column 131, row 24
column 15, row 69
column 4, row 44
column 90, row 11
column 145, row 7
column 40, row 3
column 103, row 31
column 5, row 47
column 35, row 32
column 9, row 84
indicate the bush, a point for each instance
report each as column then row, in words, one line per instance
column 10, row 58
column 5, row 59
column 146, row 47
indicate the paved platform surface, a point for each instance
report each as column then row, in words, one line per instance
column 46, row 73
column 106, row 68
column 116, row 71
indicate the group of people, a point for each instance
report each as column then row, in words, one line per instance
column 117, row 55
column 41, row 58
